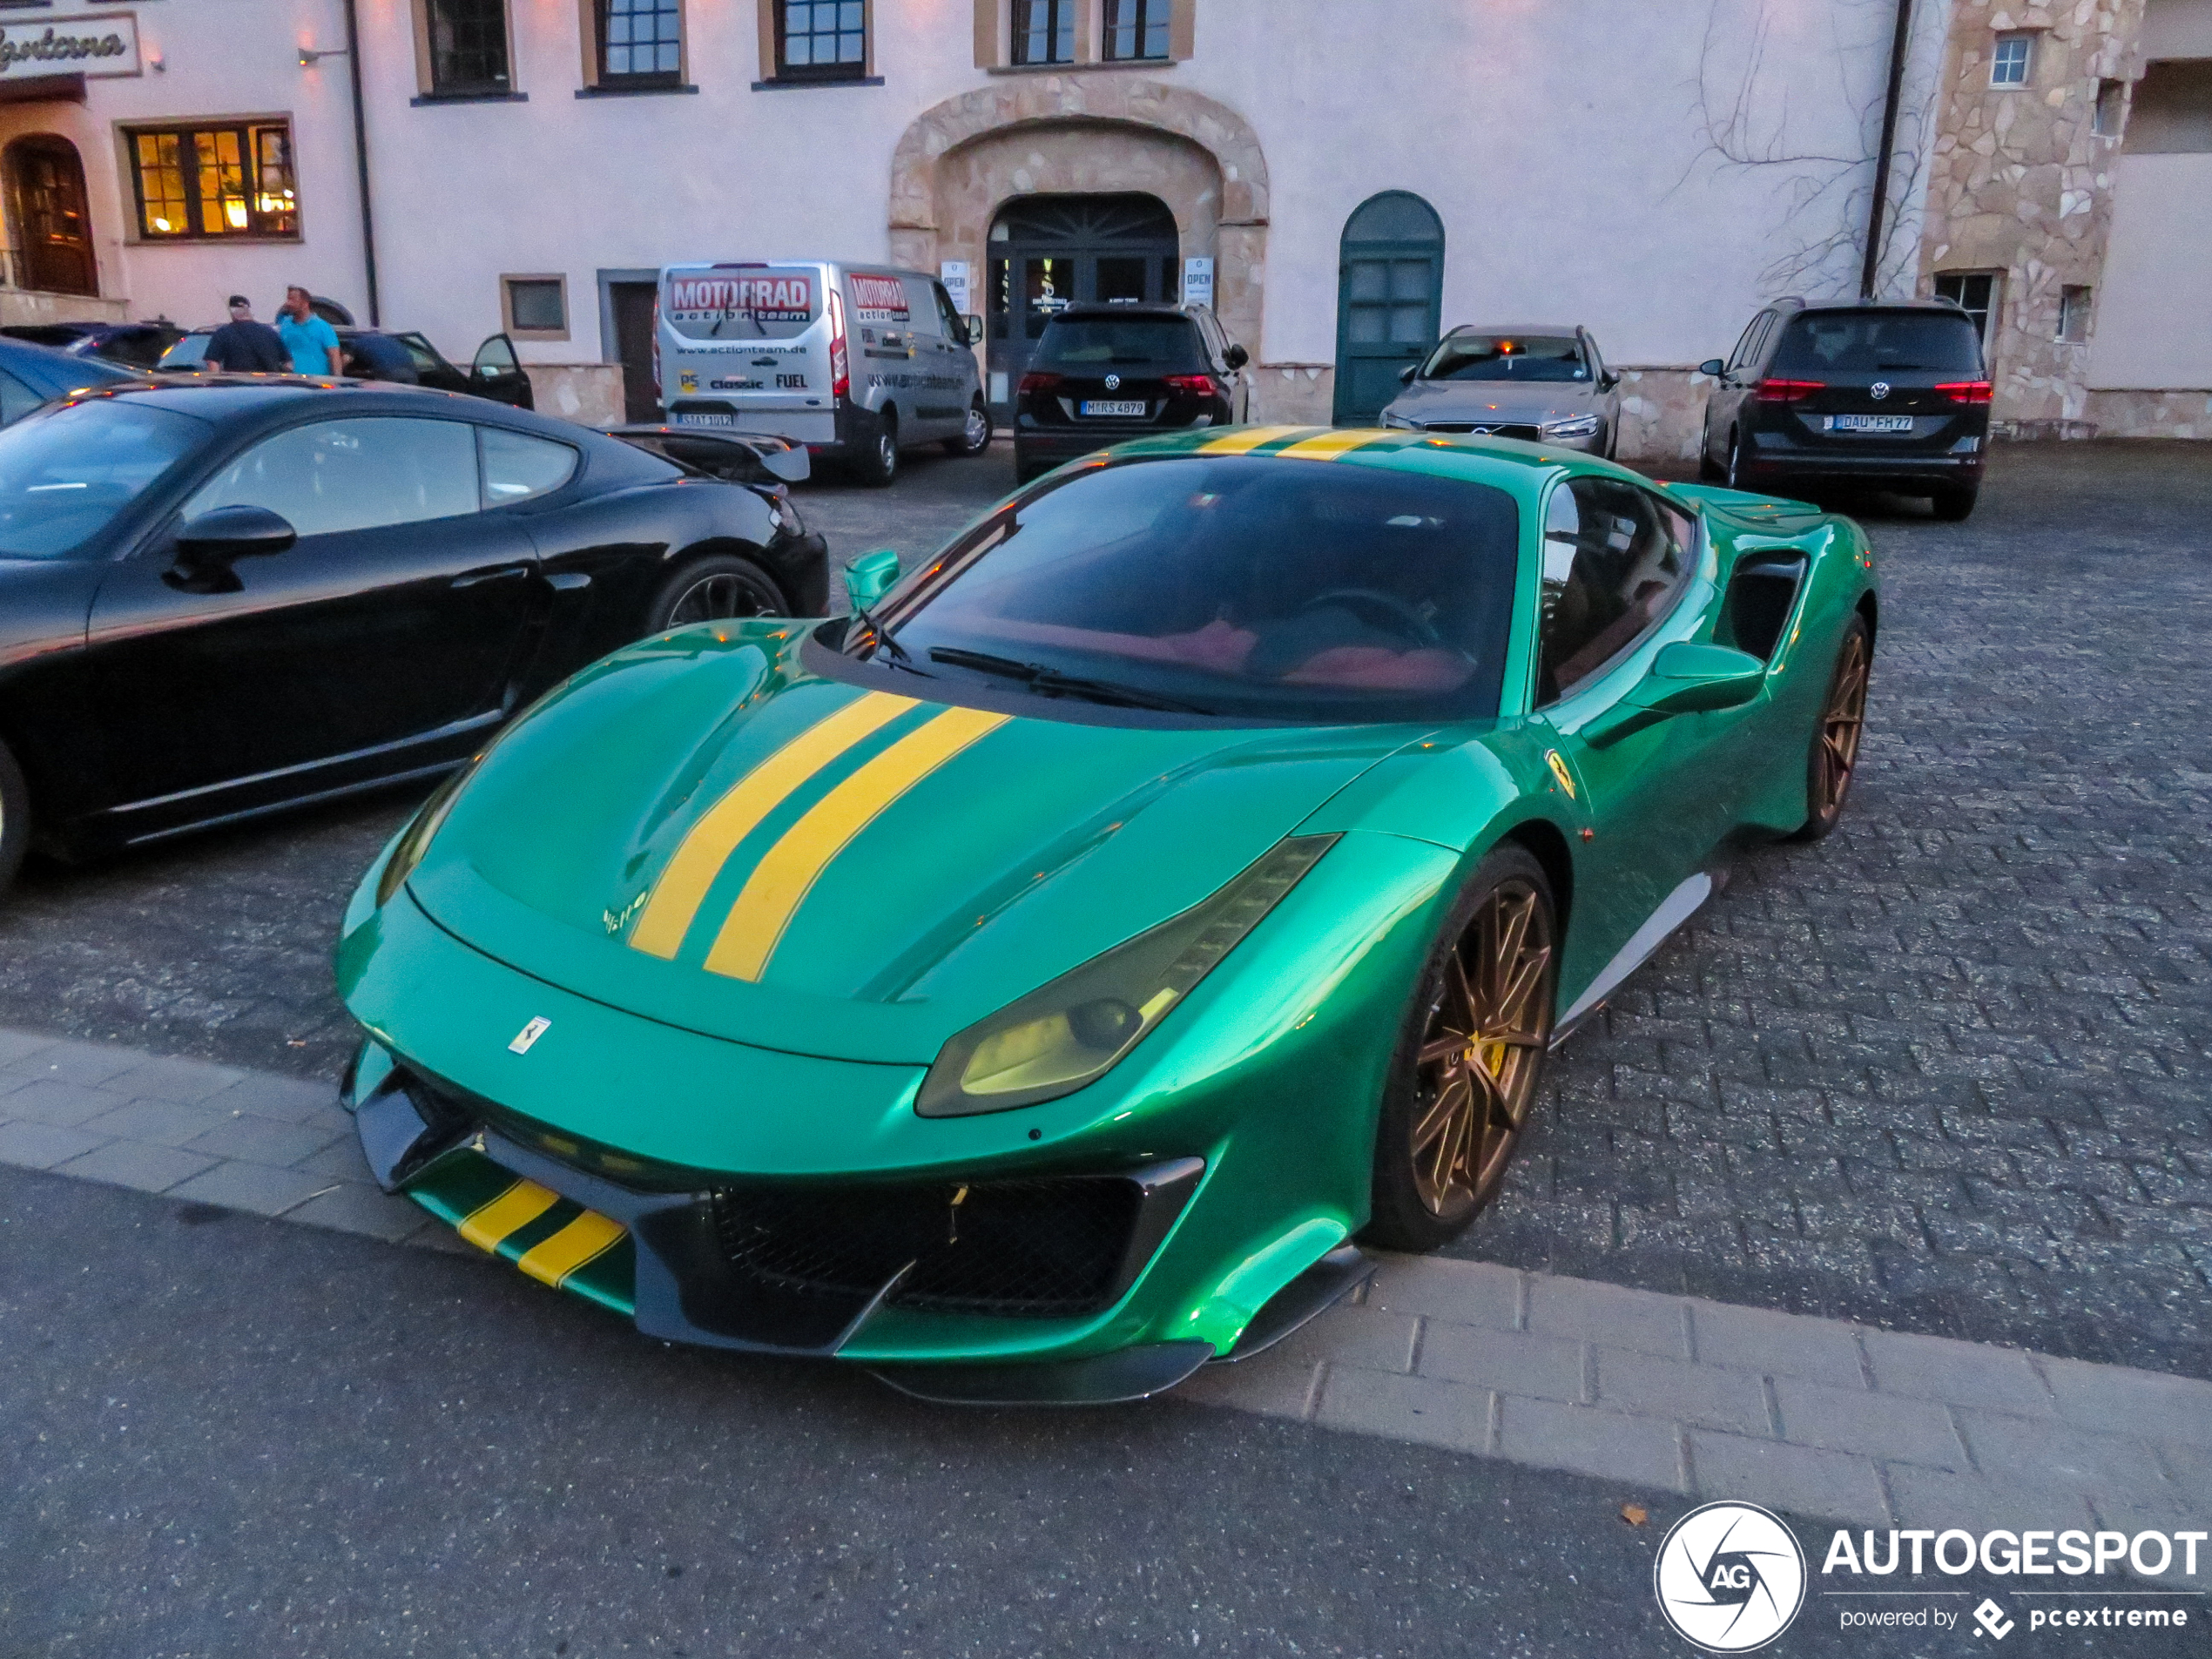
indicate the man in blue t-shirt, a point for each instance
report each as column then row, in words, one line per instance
column 313, row 342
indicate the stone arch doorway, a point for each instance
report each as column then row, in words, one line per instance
column 46, row 212
column 1046, row 253
column 1390, row 290
column 963, row 161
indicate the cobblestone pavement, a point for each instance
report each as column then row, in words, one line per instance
column 1943, row 1073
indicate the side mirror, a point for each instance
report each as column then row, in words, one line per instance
column 1713, row 366
column 870, row 576
column 1608, row 381
column 1685, row 678
column 209, row 545
column 1235, row 357
column 972, row 327
column 1405, row 375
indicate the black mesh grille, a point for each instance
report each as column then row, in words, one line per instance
column 1029, row 1249
column 1529, row 433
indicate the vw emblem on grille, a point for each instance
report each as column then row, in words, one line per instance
column 1113, row 382
column 1880, row 388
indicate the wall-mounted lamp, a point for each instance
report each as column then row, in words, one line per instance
column 309, row 57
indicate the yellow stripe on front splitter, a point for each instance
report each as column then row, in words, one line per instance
column 1328, row 445
column 513, row 1210
column 781, row 880
column 1244, row 440
column 552, row 1260
column 683, row 886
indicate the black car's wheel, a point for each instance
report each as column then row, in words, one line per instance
column 1953, row 505
column 1469, row 1057
column 976, row 436
column 1834, row 758
column 877, row 463
column 15, row 818
column 1739, row 461
column 719, row 586
column 1708, row 470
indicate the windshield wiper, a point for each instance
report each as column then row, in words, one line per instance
column 882, row 640
column 1050, row 681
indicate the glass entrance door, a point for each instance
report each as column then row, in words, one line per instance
column 1049, row 252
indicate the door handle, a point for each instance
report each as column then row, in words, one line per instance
column 504, row 573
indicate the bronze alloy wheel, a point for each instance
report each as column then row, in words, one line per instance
column 1487, row 1028
column 1835, row 741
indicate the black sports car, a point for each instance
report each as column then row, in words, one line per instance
column 228, row 595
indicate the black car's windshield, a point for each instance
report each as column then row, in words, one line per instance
column 1273, row 589
column 1166, row 345
column 1506, row 357
column 1845, row 342
column 65, row 473
column 188, row 353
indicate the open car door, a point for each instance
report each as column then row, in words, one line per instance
column 496, row 373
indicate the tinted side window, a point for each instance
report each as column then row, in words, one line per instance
column 17, row 400
column 955, row 330
column 336, row 476
column 1748, row 344
column 517, row 466
column 1616, row 557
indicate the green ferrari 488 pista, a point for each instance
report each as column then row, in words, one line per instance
column 1047, row 979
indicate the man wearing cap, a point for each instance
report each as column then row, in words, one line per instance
column 245, row 347
column 312, row 342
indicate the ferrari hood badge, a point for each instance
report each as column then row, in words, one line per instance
column 1552, row 759
column 529, row 1035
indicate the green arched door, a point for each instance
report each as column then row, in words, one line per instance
column 1390, row 285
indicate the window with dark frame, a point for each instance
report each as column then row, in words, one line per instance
column 2012, row 63
column 1973, row 293
column 2111, row 108
column 1044, row 32
column 467, row 41
column 537, row 305
column 1136, row 30
column 2074, row 312
column 198, row 183
column 641, row 43
column 821, row 40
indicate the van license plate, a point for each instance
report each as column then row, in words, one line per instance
column 706, row 420
column 1869, row 424
column 1125, row 406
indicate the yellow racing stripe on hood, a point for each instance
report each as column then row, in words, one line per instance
column 1244, row 440
column 683, row 885
column 1328, row 445
column 780, row 883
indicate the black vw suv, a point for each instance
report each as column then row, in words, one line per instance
column 1891, row 394
column 1105, row 374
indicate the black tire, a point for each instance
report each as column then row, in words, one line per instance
column 1953, row 505
column 1833, row 761
column 1739, row 472
column 877, row 464
column 1708, row 470
column 711, row 588
column 976, row 436
column 1430, row 1179
column 15, row 818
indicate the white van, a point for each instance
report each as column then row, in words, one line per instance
column 852, row 361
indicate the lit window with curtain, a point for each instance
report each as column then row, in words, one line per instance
column 1044, row 32
column 641, row 43
column 468, row 42
column 217, row 181
column 1136, row 30
column 821, row 40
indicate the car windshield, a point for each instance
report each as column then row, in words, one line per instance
column 1832, row 343
column 1506, row 357
column 65, row 473
column 1276, row 591
column 1076, row 345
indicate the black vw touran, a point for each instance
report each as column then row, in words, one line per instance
column 1105, row 374
column 1892, row 395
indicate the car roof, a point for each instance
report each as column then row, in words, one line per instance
column 222, row 395
column 1948, row 307
column 56, row 370
column 1505, row 464
column 1569, row 329
column 1112, row 308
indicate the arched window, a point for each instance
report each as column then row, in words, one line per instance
column 1390, row 283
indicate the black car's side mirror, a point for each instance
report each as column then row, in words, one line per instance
column 209, row 545
column 1406, row 373
column 1235, row 357
column 1713, row 366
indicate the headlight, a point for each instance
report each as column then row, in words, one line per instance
column 415, row 840
column 1066, row 1034
column 1399, row 422
column 785, row 515
column 1574, row 426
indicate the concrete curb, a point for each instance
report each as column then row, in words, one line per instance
column 1824, row 1420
